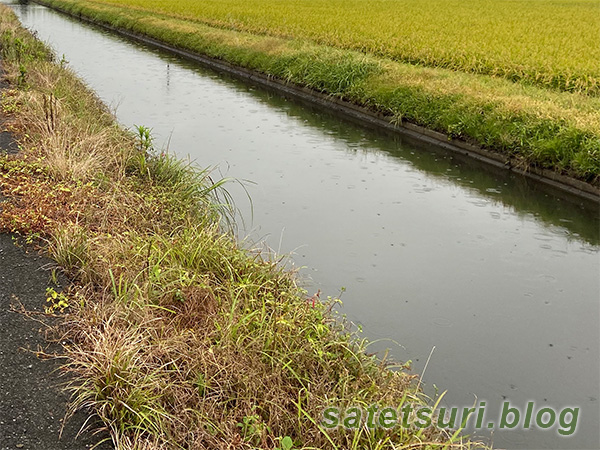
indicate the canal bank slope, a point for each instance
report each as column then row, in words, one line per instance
column 176, row 336
column 551, row 136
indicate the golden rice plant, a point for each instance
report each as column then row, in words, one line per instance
column 547, row 43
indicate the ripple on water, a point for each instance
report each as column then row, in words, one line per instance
column 587, row 250
column 442, row 322
column 547, row 278
column 542, row 237
column 493, row 191
column 560, row 232
column 480, row 203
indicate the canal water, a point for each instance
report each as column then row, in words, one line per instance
column 496, row 274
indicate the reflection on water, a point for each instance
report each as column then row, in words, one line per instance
column 496, row 272
column 579, row 217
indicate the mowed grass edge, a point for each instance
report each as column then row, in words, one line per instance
column 530, row 126
column 175, row 335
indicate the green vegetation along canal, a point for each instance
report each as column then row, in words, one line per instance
column 500, row 274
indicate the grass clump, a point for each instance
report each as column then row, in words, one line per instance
column 177, row 337
column 547, row 120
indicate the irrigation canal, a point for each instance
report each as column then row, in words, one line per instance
column 498, row 273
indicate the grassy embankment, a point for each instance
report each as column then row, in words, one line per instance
column 176, row 336
column 521, row 79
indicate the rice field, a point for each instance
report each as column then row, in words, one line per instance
column 529, row 123
column 550, row 43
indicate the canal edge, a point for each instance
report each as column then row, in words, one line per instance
column 364, row 116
